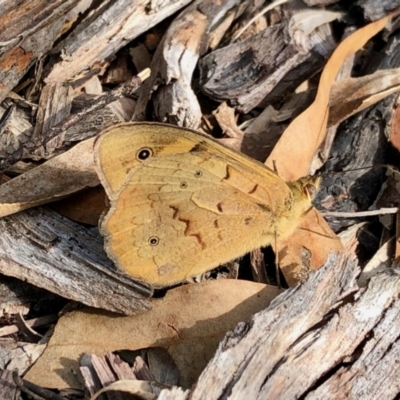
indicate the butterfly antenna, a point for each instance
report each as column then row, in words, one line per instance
column 388, row 166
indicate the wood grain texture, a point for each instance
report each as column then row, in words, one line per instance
column 264, row 67
column 110, row 26
column 168, row 93
column 54, row 253
column 8, row 389
column 21, row 142
column 28, row 32
column 313, row 342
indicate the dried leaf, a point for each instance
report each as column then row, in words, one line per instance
column 140, row 389
column 307, row 249
column 226, row 119
column 293, row 155
column 85, row 206
column 305, row 134
column 308, row 20
column 353, row 95
column 189, row 321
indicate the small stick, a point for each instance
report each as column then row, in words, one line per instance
column 35, row 392
column 38, row 145
column 381, row 211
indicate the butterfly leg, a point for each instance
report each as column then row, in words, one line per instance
column 277, row 271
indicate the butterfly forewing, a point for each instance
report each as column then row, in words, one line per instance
column 118, row 147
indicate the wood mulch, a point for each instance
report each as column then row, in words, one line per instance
column 70, row 69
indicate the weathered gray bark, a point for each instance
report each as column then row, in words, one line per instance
column 54, row 253
column 265, row 67
column 321, row 340
column 168, row 93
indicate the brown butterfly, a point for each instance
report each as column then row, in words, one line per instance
column 182, row 204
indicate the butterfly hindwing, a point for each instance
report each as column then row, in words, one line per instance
column 176, row 216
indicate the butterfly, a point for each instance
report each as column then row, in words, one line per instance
column 181, row 203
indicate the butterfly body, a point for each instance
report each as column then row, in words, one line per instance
column 182, row 204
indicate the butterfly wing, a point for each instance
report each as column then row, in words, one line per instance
column 181, row 215
column 246, row 203
column 118, row 148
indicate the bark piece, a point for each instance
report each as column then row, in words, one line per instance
column 84, row 122
column 29, row 31
column 374, row 10
column 258, row 270
column 373, row 324
column 99, row 372
column 91, row 124
column 54, row 136
column 263, row 67
column 17, row 138
column 114, row 374
column 15, row 135
column 351, row 353
column 54, row 106
column 169, row 87
column 263, row 347
column 262, row 357
column 109, row 27
column 54, row 253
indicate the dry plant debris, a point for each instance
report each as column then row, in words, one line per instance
column 190, row 334
column 299, row 86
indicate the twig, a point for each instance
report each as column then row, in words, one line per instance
column 38, row 145
column 381, row 211
column 125, row 89
column 258, row 15
column 33, row 323
column 35, row 392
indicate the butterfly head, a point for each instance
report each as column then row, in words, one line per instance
column 305, row 188
column 300, row 203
